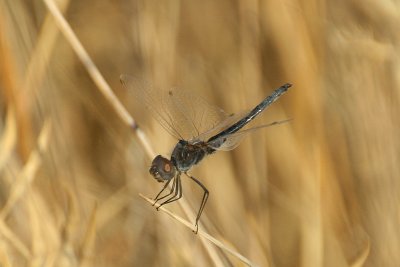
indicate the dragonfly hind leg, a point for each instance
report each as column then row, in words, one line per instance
column 203, row 201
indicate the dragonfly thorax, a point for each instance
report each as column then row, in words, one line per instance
column 185, row 155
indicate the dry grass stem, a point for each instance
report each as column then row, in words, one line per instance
column 360, row 261
column 107, row 92
column 8, row 137
column 25, row 178
column 201, row 233
column 95, row 74
column 21, row 186
column 321, row 190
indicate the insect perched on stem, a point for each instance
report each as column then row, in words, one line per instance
column 201, row 129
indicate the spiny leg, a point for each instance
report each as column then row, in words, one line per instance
column 203, row 201
column 175, row 190
column 178, row 192
column 171, row 191
column 162, row 190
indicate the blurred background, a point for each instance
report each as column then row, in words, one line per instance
column 321, row 190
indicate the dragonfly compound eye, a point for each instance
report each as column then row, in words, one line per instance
column 162, row 169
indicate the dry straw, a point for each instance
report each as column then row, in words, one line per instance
column 320, row 191
column 105, row 89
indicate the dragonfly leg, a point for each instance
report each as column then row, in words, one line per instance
column 162, row 190
column 203, row 201
column 178, row 192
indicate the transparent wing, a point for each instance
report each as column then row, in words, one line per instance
column 182, row 114
column 145, row 93
column 222, row 125
column 195, row 115
column 226, row 143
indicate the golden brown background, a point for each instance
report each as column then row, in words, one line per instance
column 321, row 190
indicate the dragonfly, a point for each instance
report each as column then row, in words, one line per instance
column 200, row 128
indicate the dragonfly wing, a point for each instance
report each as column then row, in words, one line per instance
column 194, row 113
column 226, row 143
column 146, row 95
column 224, row 124
column 182, row 114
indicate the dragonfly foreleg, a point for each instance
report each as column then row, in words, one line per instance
column 162, row 190
column 177, row 190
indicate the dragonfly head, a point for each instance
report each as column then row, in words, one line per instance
column 162, row 169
